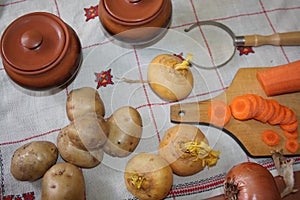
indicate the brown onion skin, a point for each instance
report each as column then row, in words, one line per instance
column 252, row 181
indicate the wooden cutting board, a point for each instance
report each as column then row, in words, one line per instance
column 246, row 133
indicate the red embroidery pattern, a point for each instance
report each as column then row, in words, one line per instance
column 104, row 78
column 245, row 50
column 179, row 56
column 91, row 12
column 26, row 196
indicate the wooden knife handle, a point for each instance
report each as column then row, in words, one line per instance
column 277, row 39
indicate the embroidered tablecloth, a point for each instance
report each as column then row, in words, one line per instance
column 26, row 117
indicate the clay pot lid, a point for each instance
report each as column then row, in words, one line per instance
column 33, row 42
column 133, row 11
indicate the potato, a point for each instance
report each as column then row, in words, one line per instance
column 84, row 100
column 186, row 148
column 79, row 157
column 125, row 131
column 31, row 161
column 87, row 132
column 63, row 181
column 167, row 81
column 148, row 176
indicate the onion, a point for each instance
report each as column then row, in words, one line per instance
column 250, row 181
column 170, row 77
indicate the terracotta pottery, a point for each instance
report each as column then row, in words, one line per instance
column 40, row 52
column 135, row 21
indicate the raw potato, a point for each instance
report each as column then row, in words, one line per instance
column 88, row 132
column 148, row 176
column 125, row 131
column 31, row 161
column 63, row 181
column 79, row 157
column 167, row 81
column 186, row 148
column 84, row 100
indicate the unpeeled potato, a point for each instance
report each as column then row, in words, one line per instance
column 148, row 176
column 125, row 131
column 31, row 161
column 84, row 100
column 63, row 181
column 167, row 81
column 88, row 132
column 76, row 156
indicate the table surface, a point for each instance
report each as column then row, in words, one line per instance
column 31, row 116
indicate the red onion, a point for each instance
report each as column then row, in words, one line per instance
column 250, row 181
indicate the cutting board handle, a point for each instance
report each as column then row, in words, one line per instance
column 277, row 39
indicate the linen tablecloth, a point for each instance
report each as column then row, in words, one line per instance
column 26, row 117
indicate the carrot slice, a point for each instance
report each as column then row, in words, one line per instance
column 289, row 117
column 292, row 145
column 254, row 101
column 281, row 79
column 241, row 108
column 271, row 138
column 264, row 112
column 260, row 105
column 291, row 135
column 219, row 113
column 290, row 127
column 269, row 112
column 277, row 116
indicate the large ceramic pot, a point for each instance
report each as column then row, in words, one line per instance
column 40, row 52
column 135, row 21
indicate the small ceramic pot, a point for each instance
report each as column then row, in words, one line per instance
column 40, row 52
column 135, row 21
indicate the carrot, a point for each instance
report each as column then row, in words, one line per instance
column 289, row 117
column 289, row 127
column 281, row 79
column 219, row 113
column 254, row 101
column 278, row 115
column 292, row 145
column 291, row 135
column 270, row 138
column 260, row 105
column 268, row 112
column 241, row 108
column 261, row 116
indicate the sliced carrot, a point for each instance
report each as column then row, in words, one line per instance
column 271, row 138
column 255, row 104
column 261, row 116
column 260, row 105
column 292, row 145
column 291, row 135
column 290, row 127
column 269, row 112
column 241, row 108
column 277, row 116
column 281, row 79
column 289, row 117
column 219, row 113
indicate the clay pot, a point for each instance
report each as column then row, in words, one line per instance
column 135, row 21
column 40, row 52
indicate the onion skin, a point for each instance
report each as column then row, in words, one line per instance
column 250, row 181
